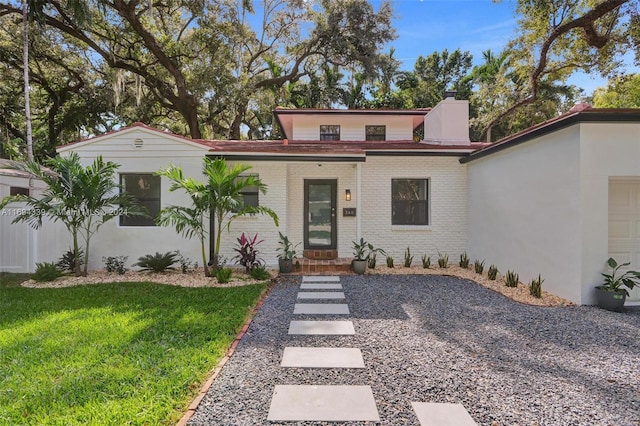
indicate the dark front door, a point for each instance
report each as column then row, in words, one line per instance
column 320, row 214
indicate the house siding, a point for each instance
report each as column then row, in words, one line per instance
column 525, row 212
column 608, row 151
column 158, row 151
column 447, row 231
column 274, row 175
column 352, row 128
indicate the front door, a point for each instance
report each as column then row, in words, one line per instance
column 320, row 214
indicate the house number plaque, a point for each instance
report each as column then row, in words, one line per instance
column 349, row 212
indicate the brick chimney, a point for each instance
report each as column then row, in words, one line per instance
column 448, row 122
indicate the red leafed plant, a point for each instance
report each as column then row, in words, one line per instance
column 248, row 254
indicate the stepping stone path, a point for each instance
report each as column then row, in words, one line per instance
column 316, row 403
column 321, row 308
column 321, row 295
column 325, row 328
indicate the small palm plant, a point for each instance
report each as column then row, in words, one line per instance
column 464, row 260
column 408, row 259
column 158, row 262
column 443, row 260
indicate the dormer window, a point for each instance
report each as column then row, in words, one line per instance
column 375, row 133
column 329, row 132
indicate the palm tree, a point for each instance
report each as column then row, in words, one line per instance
column 25, row 62
column 82, row 198
column 189, row 221
column 219, row 197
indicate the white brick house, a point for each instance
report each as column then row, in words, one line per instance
column 556, row 199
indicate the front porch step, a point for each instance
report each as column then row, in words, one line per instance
column 320, row 254
column 318, row 266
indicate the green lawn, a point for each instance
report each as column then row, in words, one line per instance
column 112, row 354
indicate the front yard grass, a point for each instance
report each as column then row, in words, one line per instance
column 120, row 353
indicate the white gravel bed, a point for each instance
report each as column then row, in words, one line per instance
column 190, row 279
column 443, row 339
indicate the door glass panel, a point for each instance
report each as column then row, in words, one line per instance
column 319, row 217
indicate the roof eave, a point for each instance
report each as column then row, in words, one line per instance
column 587, row 116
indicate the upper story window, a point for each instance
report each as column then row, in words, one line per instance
column 329, row 132
column 409, row 201
column 375, row 133
column 145, row 188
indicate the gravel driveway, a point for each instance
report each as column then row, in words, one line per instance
column 443, row 339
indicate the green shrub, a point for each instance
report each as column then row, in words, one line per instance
column 535, row 289
column 185, row 263
column 223, row 275
column 408, row 259
column 389, row 262
column 46, row 271
column 115, row 264
column 68, row 261
column 492, row 273
column 464, row 260
column 259, row 273
column 158, row 262
column 371, row 263
column 443, row 260
column 426, row 261
column 478, row 266
column 511, row 279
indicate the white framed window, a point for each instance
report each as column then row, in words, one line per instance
column 329, row 132
column 375, row 133
column 410, row 201
column 145, row 189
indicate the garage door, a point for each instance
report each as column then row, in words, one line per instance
column 624, row 225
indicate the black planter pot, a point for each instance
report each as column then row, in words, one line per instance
column 285, row 265
column 611, row 300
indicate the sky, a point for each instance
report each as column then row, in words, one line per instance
column 426, row 26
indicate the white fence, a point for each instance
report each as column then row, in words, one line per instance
column 21, row 246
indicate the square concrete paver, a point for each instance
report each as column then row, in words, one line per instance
column 321, row 308
column 442, row 414
column 320, row 295
column 320, row 279
column 323, row 403
column 310, row 357
column 320, row 286
column 325, row 328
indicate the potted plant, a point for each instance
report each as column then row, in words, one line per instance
column 611, row 295
column 286, row 254
column 362, row 252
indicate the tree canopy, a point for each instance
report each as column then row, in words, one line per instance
column 217, row 68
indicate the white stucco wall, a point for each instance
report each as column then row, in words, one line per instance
column 158, row 151
column 608, row 151
column 525, row 211
column 447, row 231
column 352, row 127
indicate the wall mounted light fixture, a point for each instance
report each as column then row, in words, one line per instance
column 347, row 195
